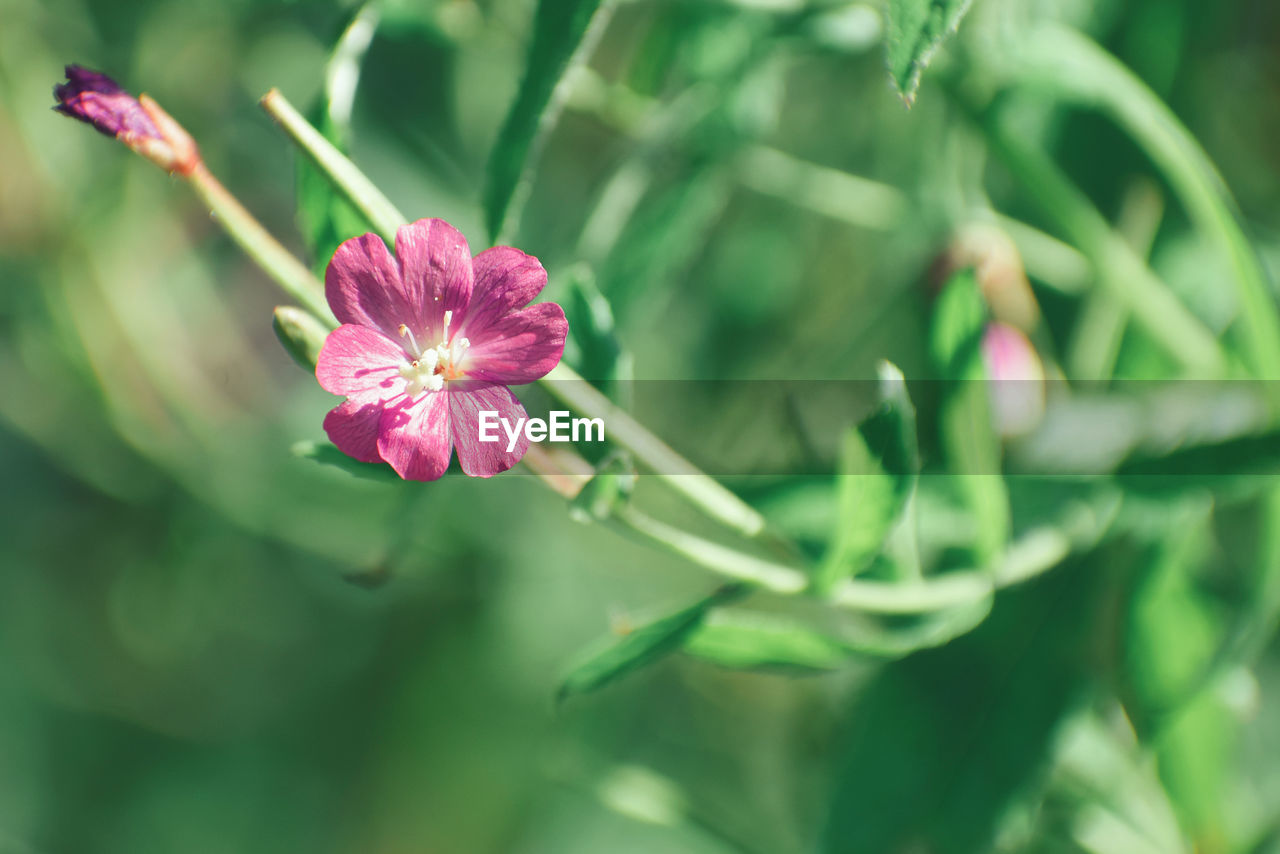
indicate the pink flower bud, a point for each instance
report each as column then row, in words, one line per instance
column 139, row 123
column 1016, row 379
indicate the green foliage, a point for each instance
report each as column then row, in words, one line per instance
column 326, row 454
column 325, row 218
column 751, row 641
column 609, row 489
column 642, row 645
column 594, row 349
column 1093, row 667
column 967, row 433
column 917, row 28
column 877, row 470
column 956, row 735
column 560, row 29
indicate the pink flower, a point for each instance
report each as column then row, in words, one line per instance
column 429, row 339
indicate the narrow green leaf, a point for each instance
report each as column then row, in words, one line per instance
column 325, row 217
column 642, row 646
column 560, row 34
column 917, row 28
column 878, row 465
column 968, row 436
column 757, row 641
column 326, row 454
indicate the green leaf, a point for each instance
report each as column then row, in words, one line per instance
column 560, row 34
column 752, row 641
column 968, row 437
column 606, row 491
column 976, row 717
column 597, row 354
column 642, row 646
column 327, row 454
column 879, row 461
column 325, row 217
column 917, row 28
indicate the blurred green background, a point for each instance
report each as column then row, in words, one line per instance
column 209, row 645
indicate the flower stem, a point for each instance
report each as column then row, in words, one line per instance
column 346, row 177
column 279, row 263
column 712, row 498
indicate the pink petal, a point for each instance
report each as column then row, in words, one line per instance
column 484, row 459
column 413, row 436
column 363, row 286
column 356, row 359
column 435, row 265
column 353, row 428
column 505, row 279
column 520, row 347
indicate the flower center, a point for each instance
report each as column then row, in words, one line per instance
column 429, row 369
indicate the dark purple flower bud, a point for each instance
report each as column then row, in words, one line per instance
column 139, row 123
column 97, row 99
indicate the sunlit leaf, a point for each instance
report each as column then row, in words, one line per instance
column 917, row 28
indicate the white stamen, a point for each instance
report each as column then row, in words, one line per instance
column 406, row 332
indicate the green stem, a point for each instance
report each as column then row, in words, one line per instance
column 344, row 174
column 723, row 560
column 623, row 430
column 1032, row 555
column 1117, row 267
column 1078, row 70
column 289, row 273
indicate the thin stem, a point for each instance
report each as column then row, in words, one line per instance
column 712, row 498
column 353, row 183
column 1032, row 555
column 1117, row 267
column 1080, row 71
column 723, row 560
column 279, row 263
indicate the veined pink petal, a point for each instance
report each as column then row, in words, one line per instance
column 413, row 436
column 363, row 286
column 505, row 279
column 519, row 347
column 353, row 427
column 484, row 459
column 435, row 266
column 356, row 359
